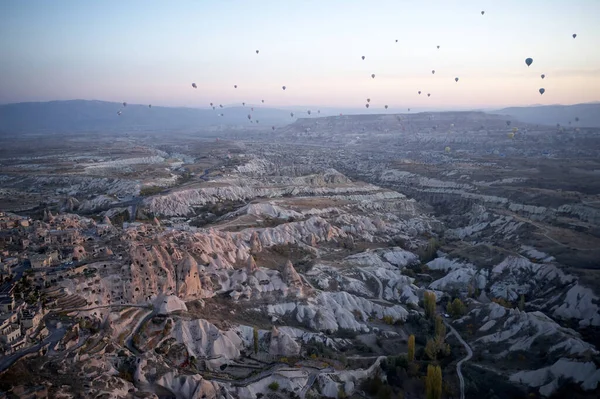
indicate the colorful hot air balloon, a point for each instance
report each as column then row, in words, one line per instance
column 447, row 149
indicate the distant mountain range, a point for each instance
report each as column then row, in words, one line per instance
column 91, row 116
column 102, row 116
column 588, row 114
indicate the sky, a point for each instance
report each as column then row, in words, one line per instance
column 151, row 51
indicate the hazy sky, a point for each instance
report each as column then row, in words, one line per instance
column 151, row 51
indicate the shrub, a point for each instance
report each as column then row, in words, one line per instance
column 274, row 386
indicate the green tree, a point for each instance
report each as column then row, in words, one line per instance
column 429, row 304
column 522, row 302
column 456, row 308
column 411, row 348
column 431, row 349
column 440, row 327
column 433, row 382
column 255, row 333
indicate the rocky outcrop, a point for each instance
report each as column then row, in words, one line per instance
column 282, row 344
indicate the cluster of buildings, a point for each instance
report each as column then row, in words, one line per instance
column 33, row 255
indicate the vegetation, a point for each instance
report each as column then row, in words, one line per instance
column 522, row 302
column 430, row 251
column 274, row 386
column 437, row 344
column 429, row 304
column 503, row 302
column 375, row 387
column 456, row 308
column 150, row 190
column 411, row 348
column 255, row 334
column 433, row 382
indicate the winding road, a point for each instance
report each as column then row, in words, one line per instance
column 460, row 363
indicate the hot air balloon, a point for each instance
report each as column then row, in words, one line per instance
column 438, row 47
column 386, row 107
column 367, row 105
column 124, row 104
column 511, row 135
column 396, row 40
column 252, row 109
column 428, row 94
column 249, row 116
column 309, row 111
column 447, row 149
column 194, row 85
column 456, row 79
column 119, row 113
column 256, row 51
column 283, row 87
column 263, row 101
column 292, row 114
column 220, row 105
column 368, row 100
column 213, row 108
column 235, row 86
column 543, row 76
column 211, row 104
column 273, row 127
column 257, row 121
column 574, row 35
column 483, row 12
column 243, row 104
column 529, row 61
column 507, row 123
column 318, row 111
column 576, row 119
column 409, row 110
column 542, row 91
column 419, row 92
column 363, row 57
column 433, row 71
column 373, row 75
column 514, row 129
